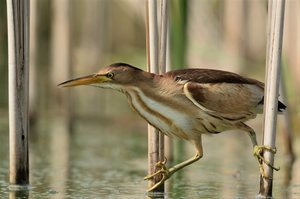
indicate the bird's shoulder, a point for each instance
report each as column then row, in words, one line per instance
column 198, row 75
column 220, row 92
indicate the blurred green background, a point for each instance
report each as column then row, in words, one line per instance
column 71, row 38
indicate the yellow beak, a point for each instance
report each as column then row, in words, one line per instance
column 86, row 80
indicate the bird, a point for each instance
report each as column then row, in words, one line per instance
column 187, row 103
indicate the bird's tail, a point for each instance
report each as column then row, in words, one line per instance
column 281, row 107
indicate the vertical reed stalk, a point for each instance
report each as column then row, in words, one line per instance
column 155, row 138
column 163, row 36
column 162, row 62
column 33, row 88
column 61, row 56
column 152, row 56
column 178, row 46
column 275, row 34
column 18, row 71
column 287, row 134
column 178, row 39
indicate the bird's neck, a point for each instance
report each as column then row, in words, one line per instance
column 153, row 90
column 159, row 104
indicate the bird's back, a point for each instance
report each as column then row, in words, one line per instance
column 191, row 101
column 210, row 76
column 221, row 91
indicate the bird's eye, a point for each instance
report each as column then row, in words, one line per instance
column 177, row 78
column 109, row 75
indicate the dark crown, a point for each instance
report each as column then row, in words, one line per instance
column 120, row 64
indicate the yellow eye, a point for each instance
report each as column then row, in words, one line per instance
column 109, row 75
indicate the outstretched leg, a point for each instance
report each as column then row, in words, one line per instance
column 258, row 150
column 167, row 173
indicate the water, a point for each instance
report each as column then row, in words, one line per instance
column 106, row 160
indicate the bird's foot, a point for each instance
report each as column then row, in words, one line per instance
column 257, row 152
column 162, row 170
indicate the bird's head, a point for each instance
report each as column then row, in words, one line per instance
column 115, row 76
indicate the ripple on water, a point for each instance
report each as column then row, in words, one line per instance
column 112, row 165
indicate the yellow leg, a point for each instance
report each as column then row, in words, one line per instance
column 167, row 173
column 161, row 165
column 258, row 151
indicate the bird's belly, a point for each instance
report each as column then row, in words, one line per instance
column 209, row 125
column 163, row 117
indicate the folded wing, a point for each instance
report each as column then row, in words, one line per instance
column 220, row 93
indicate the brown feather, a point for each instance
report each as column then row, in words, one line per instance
column 222, row 93
column 210, row 76
column 227, row 98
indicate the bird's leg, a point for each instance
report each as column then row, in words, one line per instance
column 167, row 173
column 181, row 165
column 258, row 151
column 162, row 169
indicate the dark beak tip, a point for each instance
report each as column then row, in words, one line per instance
column 61, row 85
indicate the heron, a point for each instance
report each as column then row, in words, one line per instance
column 187, row 103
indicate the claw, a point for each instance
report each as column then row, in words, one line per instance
column 162, row 170
column 257, row 151
column 164, row 178
column 161, row 163
column 167, row 173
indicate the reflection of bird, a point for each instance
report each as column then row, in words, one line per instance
column 186, row 103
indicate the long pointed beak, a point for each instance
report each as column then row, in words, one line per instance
column 86, row 80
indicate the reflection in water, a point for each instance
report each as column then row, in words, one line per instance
column 230, row 150
column 173, row 183
column 179, row 155
column 101, row 161
column 287, row 178
column 177, row 189
column 59, row 157
column 19, row 191
column 155, row 195
column 18, row 194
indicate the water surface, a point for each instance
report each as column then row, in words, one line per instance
column 108, row 160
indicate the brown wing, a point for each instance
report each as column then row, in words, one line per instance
column 210, row 76
column 221, row 93
column 229, row 99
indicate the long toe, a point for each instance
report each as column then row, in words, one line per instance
column 165, row 174
column 161, row 171
column 164, row 178
column 268, row 148
column 257, row 152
